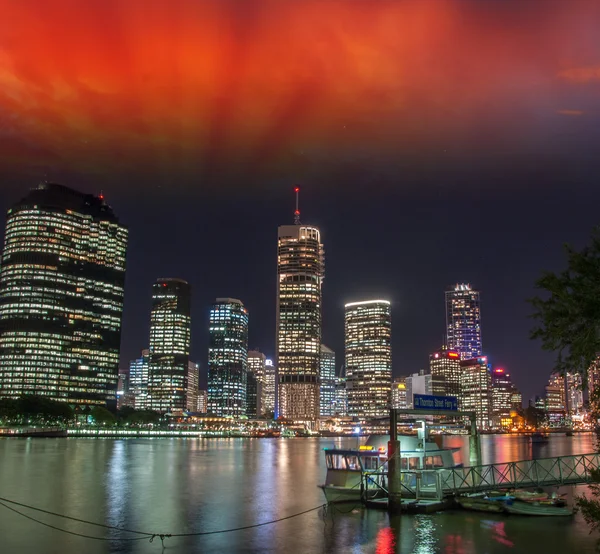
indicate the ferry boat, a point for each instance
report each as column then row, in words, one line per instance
column 345, row 467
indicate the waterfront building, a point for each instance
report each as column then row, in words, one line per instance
column 327, row 377
column 124, row 396
column 444, row 366
column 516, row 400
column 300, row 274
column 340, row 402
column 228, row 358
column 594, row 377
column 61, row 297
column 463, row 321
column 193, row 382
column 368, row 337
column 269, row 389
column 252, row 395
column 202, row 401
column 556, row 400
column 475, row 387
column 139, row 370
column 574, row 393
column 256, row 365
column 399, row 401
column 169, row 345
column 502, row 392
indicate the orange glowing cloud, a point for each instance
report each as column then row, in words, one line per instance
column 98, row 85
column 581, row 74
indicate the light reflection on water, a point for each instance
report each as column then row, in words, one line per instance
column 179, row 485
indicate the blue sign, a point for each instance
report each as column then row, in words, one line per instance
column 428, row 402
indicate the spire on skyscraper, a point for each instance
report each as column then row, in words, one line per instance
column 297, row 212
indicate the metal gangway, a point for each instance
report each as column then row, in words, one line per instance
column 437, row 484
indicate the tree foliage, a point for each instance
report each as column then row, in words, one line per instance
column 102, row 416
column 568, row 316
column 30, row 407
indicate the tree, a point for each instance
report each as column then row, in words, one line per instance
column 569, row 315
column 102, row 416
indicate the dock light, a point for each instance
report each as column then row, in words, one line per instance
column 357, row 430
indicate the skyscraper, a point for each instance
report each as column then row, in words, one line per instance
column 445, row 366
column 300, row 273
column 502, row 392
column 327, row 377
column 227, row 358
column 191, row 391
column 475, row 389
column 368, row 327
column 169, row 345
column 138, row 380
column 269, row 386
column 256, row 366
column 61, row 297
column 399, row 393
column 463, row 321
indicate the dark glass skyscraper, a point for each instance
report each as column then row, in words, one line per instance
column 169, row 345
column 327, row 380
column 61, row 297
column 228, row 358
column 463, row 321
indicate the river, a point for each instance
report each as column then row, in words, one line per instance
column 192, row 485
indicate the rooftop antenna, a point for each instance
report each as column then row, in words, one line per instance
column 297, row 212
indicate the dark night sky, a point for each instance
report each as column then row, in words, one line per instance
column 463, row 148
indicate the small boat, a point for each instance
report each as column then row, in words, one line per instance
column 481, row 502
column 568, row 433
column 544, row 508
column 519, row 494
column 346, row 468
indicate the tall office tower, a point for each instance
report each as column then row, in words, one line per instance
column 256, row 366
column 516, row 400
column 124, row 396
column 502, row 391
column 169, row 345
column 138, row 380
column 463, row 321
column 574, row 393
column 300, row 273
column 202, row 401
column 61, row 297
column 191, row 391
column 252, row 395
column 368, row 327
column 444, row 365
column 399, row 393
column 556, row 399
column 227, row 358
column 327, row 392
column 475, row 386
column 269, row 387
column 594, row 377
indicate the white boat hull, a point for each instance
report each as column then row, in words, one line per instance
column 336, row 495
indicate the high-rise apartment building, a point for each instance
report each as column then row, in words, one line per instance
column 228, row 358
column 61, row 297
column 327, row 377
column 463, row 321
column 256, row 367
column 476, row 390
column 368, row 327
column 502, row 392
column 444, row 365
column 169, row 345
column 139, row 370
column 300, row 273
column 191, row 392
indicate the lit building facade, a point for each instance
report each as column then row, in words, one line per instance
column 327, row 393
column 368, row 338
column 476, row 390
column 340, row 403
column 228, row 358
column 445, row 366
column 202, row 401
column 252, row 395
column 418, row 383
column 169, row 346
column 300, row 274
column 61, row 297
column 502, row 392
column 191, row 392
column 269, row 394
column 594, row 377
column 463, row 321
column 399, row 393
column 574, row 393
column 256, row 366
column 139, row 371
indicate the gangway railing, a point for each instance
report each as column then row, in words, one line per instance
column 444, row 482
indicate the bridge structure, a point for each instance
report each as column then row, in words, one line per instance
column 438, row 484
